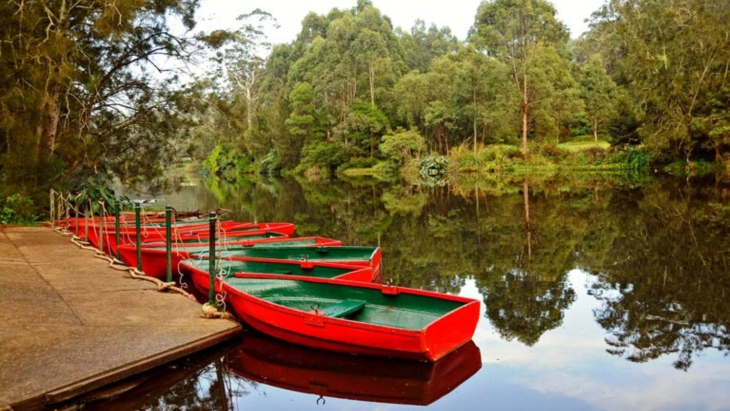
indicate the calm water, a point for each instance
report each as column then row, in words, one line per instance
column 597, row 295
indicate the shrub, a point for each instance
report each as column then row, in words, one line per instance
column 270, row 165
column 403, row 145
column 322, row 155
column 17, row 210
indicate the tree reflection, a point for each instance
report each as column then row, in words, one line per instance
column 525, row 288
column 663, row 281
column 211, row 388
column 658, row 252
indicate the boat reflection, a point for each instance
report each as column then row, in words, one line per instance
column 326, row 374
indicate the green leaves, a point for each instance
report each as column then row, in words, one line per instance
column 403, row 145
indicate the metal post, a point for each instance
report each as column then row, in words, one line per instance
column 168, row 245
column 86, row 217
column 51, row 203
column 101, row 226
column 138, row 229
column 76, row 208
column 68, row 211
column 58, row 206
column 116, row 226
column 211, row 258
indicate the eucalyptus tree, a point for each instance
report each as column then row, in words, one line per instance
column 673, row 57
column 513, row 31
column 240, row 59
column 76, row 89
column 422, row 45
column 556, row 90
column 598, row 91
column 350, row 58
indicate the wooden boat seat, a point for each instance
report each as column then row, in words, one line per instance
column 343, row 308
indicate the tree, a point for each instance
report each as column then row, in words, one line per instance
column 598, row 92
column 512, row 31
column 671, row 56
column 559, row 94
column 240, row 57
column 423, row 45
column 403, row 145
column 76, row 93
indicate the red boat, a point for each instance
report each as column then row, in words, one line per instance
column 77, row 225
column 296, row 368
column 197, row 270
column 354, row 317
column 154, row 255
column 354, row 255
column 199, row 229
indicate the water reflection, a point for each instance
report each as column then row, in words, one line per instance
column 659, row 251
column 582, row 280
column 325, row 374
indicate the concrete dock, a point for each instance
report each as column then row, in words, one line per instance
column 69, row 324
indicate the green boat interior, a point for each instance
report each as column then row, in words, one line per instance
column 290, row 252
column 367, row 305
column 230, row 267
column 229, row 238
column 204, row 249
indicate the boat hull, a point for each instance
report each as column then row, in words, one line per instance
column 197, row 231
column 312, row 329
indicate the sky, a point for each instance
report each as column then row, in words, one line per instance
column 458, row 15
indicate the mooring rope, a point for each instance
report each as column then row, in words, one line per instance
column 119, row 265
column 59, row 205
column 133, row 272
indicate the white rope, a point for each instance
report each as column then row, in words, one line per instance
column 208, row 310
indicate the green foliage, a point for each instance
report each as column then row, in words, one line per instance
column 519, row 33
column 634, row 159
column 270, row 165
column 322, row 155
column 433, row 170
column 17, row 210
column 227, row 163
column 77, row 95
column 402, row 145
column 598, row 91
column 671, row 59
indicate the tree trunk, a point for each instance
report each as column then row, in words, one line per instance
column 595, row 130
column 523, row 109
column 371, row 73
column 371, row 147
column 474, row 120
column 50, row 129
column 718, row 149
column 249, row 116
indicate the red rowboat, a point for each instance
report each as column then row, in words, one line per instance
column 354, row 317
column 189, row 229
column 154, row 255
column 198, row 270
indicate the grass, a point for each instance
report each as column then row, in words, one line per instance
column 359, row 172
column 584, row 143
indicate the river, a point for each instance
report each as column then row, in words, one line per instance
column 597, row 294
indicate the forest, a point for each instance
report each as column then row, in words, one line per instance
column 97, row 90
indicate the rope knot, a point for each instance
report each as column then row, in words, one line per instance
column 210, row 311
